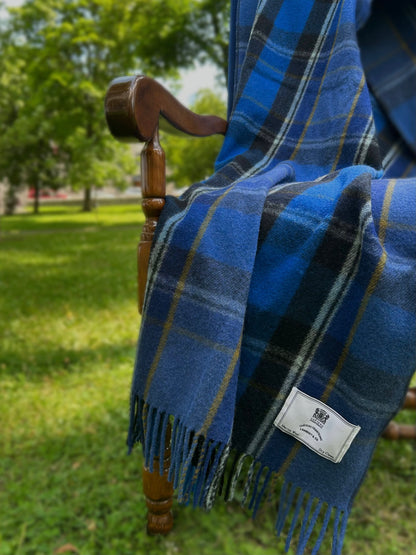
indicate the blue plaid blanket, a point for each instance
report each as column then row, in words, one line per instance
column 292, row 268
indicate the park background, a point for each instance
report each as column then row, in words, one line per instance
column 68, row 317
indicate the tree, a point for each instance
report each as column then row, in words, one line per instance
column 192, row 159
column 57, row 130
column 180, row 34
column 27, row 153
column 64, row 53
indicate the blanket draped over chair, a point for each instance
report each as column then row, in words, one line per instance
column 292, row 266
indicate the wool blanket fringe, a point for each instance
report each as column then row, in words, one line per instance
column 198, row 466
column 290, row 274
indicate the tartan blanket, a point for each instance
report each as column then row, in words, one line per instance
column 291, row 270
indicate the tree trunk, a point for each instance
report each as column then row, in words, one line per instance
column 11, row 201
column 36, row 199
column 87, row 205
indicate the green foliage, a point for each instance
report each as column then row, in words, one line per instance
column 192, row 159
column 68, row 327
column 57, row 57
column 174, row 34
column 56, row 60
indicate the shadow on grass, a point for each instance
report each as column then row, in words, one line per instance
column 71, row 219
column 58, row 227
column 53, row 361
column 81, row 489
column 42, row 274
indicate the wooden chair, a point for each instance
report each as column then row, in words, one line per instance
column 135, row 107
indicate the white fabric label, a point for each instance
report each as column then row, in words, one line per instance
column 316, row 425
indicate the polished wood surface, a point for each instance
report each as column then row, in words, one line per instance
column 133, row 106
column 153, row 176
column 395, row 430
column 159, row 494
column 410, row 399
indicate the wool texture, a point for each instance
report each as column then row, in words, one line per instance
column 292, row 266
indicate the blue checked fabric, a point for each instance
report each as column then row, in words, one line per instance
column 293, row 265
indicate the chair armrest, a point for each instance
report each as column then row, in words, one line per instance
column 133, row 106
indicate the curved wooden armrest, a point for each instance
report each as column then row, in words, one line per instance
column 133, row 106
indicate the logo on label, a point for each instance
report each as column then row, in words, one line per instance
column 306, row 419
column 320, row 417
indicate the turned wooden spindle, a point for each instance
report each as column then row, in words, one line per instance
column 153, row 200
column 410, row 399
column 395, row 430
column 159, row 494
column 133, row 106
column 157, row 489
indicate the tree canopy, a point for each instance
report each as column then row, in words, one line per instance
column 57, row 58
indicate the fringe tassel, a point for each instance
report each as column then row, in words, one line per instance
column 248, row 483
column 234, row 477
column 162, row 447
column 188, row 472
column 135, row 433
column 305, row 520
column 322, row 531
column 295, row 518
column 174, row 442
column 155, row 440
column 215, row 474
column 183, row 467
column 174, row 446
column 286, row 499
column 133, row 436
column 340, row 526
column 178, row 454
column 308, row 525
column 255, row 488
column 261, row 494
column 227, row 489
column 313, row 510
column 200, row 473
column 198, row 469
column 148, row 432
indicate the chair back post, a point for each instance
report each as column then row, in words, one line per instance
column 153, row 176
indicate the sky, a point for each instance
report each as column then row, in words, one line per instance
column 193, row 80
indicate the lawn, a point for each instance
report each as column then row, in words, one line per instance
column 68, row 330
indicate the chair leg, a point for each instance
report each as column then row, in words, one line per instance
column 158, row 491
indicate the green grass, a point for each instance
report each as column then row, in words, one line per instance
column 62, row 217
column 68, row 329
